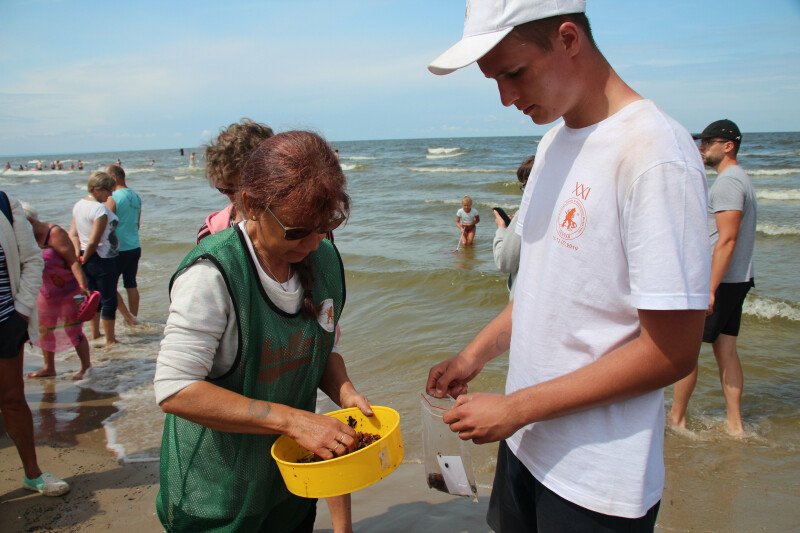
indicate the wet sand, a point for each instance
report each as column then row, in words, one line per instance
column 702, row 494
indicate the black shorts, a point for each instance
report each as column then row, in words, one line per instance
column 128, row 264
column 519, row 502
column 727, row 315
column 13, row 334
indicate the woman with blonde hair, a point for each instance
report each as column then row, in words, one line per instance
column 92, row 232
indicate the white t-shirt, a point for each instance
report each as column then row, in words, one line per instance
column 85, row 212
column 612, row 220
column 467, row 219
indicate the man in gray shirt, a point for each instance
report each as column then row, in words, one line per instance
column 732, row 227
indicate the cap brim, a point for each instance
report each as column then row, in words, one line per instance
column 698, row 136
column 467, row 51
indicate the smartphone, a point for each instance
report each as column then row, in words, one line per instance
column 503, row 215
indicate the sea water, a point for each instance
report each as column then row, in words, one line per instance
column 411, row 302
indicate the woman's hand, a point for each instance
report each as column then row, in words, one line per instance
column 350, row 397
column 322, row 435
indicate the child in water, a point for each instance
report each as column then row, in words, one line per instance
column 466, row 220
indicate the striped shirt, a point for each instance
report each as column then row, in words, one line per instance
column 6, row 300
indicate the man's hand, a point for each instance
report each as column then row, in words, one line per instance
column 450, row 377
column 482, row 417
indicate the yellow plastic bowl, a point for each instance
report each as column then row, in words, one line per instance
column 350, row 472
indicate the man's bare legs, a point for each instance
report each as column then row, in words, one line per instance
column 128, row 315
column 16, row 413
column 682, row 391
column 732, row 379
column 133, row 300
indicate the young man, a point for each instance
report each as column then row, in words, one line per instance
column 21, row 267
column 128, row 207
column 612, row 286
column 732, row 210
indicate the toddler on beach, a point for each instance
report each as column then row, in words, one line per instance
column 466, row 220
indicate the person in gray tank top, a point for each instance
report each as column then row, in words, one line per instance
column 732, row 229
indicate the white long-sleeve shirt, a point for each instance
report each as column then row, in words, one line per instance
column 201, row 337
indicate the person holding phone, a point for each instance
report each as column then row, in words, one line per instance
column 507, row 243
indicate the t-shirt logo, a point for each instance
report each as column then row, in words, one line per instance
column 572, row 214
column 325, row 317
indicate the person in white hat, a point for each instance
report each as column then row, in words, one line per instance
column 612, row 287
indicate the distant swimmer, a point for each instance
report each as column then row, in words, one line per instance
column 119, row 163
column 59, row 165
column 21, row 167
column 192, row 160
column 181, row 151
column 8, row 165
column 80, row 164
column 38, row 165
column 72, row 166
column 152, row 162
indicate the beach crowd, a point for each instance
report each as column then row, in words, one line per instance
column 620, row 262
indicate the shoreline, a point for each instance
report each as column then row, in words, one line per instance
column 106, row 494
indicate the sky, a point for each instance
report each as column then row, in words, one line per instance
column 90, row 76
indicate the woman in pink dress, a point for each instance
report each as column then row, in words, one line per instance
column 62, row 282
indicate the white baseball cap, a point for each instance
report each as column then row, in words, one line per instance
column 486, row 22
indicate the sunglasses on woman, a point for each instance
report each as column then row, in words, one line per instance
column 297, row 233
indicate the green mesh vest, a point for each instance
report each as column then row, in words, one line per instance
column 217, row 481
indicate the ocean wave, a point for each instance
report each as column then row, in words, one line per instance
column 139, row 170
column 354, row 166
column 778, row 194
column 443, row 150
column 482, row 207
column 443, row 156
column 774, row 229
column 456, row 170
column 360, row 157
column 32, row 172
column 768, row 308
column 773, row 171
column 181, row 178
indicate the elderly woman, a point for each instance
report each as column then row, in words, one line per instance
column 62, row 280
column 249, row 340
column 93, row 235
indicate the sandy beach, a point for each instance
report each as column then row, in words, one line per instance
column 700, row 495
column 107, row 495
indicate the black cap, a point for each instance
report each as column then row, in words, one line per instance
column 724, row 129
